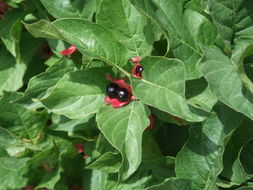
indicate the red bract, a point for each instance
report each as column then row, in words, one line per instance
column 69, row 51
column 122, row 84
column 80, row 150
column 151, row 119
column 3, row 8
column 136, row 60
column 115, row 102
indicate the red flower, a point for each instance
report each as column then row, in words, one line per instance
column 151, row 119
column 69, row 51
column 122, row 84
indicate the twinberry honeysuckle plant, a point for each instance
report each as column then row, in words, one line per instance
column 126, row 94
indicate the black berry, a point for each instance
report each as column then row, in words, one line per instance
column 122, row 95
column 138, row 70
column 111, row 90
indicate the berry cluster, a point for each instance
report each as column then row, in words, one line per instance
column 119, row 93
column 114, row 91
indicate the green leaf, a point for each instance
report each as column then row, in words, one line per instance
column 246, row 157
column 43, row 29
column 97, row 180
column 96, row 149
column 150, row 148
column 145, row 176
column 247, row 32
column 198, row 93
column 162, row 168
column 10, row 32
column 43, row 84
column 243, row 48
column 196, row 5
column 57, row 46
column 203, row 31
column 13, row 173
column 11, row 74
column 170, row 137
column 133, row 29
column 205, row 100
column 30, row 47
column 109, row 163
column 84, row 128
column 201, row 156
column 62, row 155
column 224, row 81
column 233, row 169
column 78, row 94
column 50, row 179
column 163, row 87
column 225, row 184
column 13, row 146
column 123, row 128
column 19, row 120
column 248, row 186
column 244, row 188
column 164, row 116
column 91, row 39
column 172, row 184
column 68, row 8
column 230, row 17
column 170, row 15
column 18, row 1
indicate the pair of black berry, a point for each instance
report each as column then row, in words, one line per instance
column 114, row 91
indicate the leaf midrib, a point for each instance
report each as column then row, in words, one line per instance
column 129, row 28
